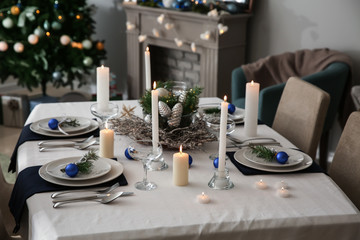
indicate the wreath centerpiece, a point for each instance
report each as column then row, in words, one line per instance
column 178, row 124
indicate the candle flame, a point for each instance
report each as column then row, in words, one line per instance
column 180, row 149
column 282, row 188
column 261, row 180
column 203, row 194
column 102, row 66
column 225, row 98
column 106, row 125
column 147, row 49
column 252, row 82
column 154, row 85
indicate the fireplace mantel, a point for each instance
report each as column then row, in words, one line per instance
column 219, row 55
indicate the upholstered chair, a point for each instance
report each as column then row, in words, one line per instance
column 329, row 70
column 345, row 167
column 301, row 114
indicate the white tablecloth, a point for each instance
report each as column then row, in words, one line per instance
column 317, row 208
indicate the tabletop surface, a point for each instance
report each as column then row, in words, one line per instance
column 316, row 208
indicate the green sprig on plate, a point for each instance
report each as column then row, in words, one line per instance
column 269, row 154
column 84, row 165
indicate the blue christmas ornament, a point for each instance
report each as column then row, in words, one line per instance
column 216, row 162
column 190, row 160
column 53, row 123
column 231, row 108
column 71, row 169
column 282, row 157
column 127, row 154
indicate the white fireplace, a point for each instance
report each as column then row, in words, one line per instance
column 201, row 61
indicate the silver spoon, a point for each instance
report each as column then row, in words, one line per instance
column 80, row 147
column 107, row 198
column 100, row 191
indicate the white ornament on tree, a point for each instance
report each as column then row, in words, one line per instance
column 65, row 40
column 87, row 44
column 88, row 61
column 162, row 92
column 33, row 39
column 18, row 47
column 8, row 23
column 39, row 32
column 3, row 46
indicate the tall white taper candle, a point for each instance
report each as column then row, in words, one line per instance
column 222, row 135
column 102, row 87
column 155, row 117
column 147, row 69
column 251, row 108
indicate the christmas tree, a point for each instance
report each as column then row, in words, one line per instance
column 45, row 41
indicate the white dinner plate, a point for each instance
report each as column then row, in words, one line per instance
column 100, row 167
column 83, row 124
column 295, row 157
column 116, row 170
column 36, row 129
column 239, row 157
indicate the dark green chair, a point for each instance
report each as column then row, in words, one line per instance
column 332, row 80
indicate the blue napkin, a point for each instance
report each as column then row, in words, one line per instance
column 314, row 168
column 28, row 135
column 29, row 183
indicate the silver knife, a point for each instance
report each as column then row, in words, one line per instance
column 89, row 197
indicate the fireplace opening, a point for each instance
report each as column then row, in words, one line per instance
column 169, row 64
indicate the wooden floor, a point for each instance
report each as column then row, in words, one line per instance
column 8, row 139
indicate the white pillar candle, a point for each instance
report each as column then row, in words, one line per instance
column 106, row 143
column 155, row 117
column 222, row 135
column 147, row 69
column 251, row 108
column 180, row 168
column 102, row 87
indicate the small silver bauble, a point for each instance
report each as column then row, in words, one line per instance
column 8, row 23
column 87, row 61
column 39, row 31
column 46, row 25
column 164, row 109
column 56, row 75
column 182, row 96
column 87, row 44
column 147, row 118
column 56, row 25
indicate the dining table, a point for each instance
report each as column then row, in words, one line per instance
column 314, row 208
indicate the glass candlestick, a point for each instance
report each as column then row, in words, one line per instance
column 221, row 180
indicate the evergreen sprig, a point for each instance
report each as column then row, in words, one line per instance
column 86, row 162
column 70, row 122
column 264, row 152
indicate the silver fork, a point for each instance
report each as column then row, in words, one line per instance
column 80, row 147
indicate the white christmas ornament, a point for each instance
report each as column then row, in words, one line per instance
column 39, row 31
column 33, row 39
column 178, row 42
column 156, row 32
column 169, row 26
column 142, row 38
column 3, row 46
column 65, row 40
column 87, row 44
column 87, row 61
column 8, row 23
column 18, row 47
column 162, row 92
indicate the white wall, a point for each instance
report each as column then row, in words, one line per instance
column 288, row 25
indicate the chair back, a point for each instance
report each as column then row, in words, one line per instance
column 301, row 113
column 345, row 167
